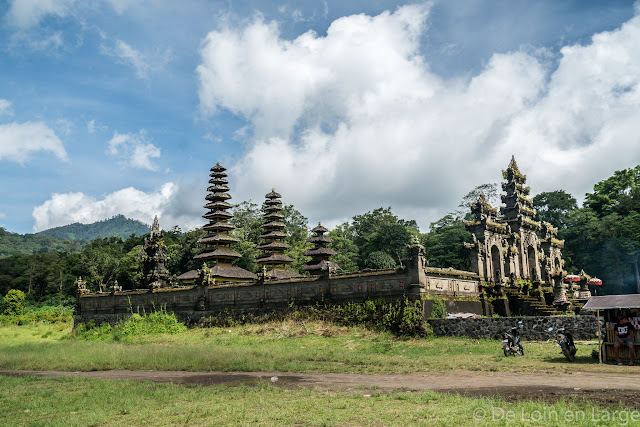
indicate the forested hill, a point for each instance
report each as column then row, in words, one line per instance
column 118, row 226
column 29, row 244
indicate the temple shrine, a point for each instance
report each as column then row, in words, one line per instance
column 320, row 254
column 217, row 253
column 273, row 259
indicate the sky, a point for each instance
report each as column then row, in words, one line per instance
column 114, row 107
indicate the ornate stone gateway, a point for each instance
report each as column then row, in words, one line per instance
column 507, row 248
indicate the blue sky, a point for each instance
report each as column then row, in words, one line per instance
column 122, row 106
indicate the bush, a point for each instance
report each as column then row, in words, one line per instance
column 438, row 310
column 399, row 317
column 380, row 260
column 13, row 302
column 158, row 322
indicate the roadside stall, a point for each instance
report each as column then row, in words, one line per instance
column 613, row 306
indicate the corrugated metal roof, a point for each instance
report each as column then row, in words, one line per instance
column 613, row 301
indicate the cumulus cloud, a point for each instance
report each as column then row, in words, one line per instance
column 19, row 140
column 354, row 120
column 166, row 202
column 134, row 150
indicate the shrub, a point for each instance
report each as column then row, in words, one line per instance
column 438, row 310
column 158, row 322
column 13, row 302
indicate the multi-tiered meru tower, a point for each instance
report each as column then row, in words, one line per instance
column 218, row 254
column 273, row 259
column 320, row 253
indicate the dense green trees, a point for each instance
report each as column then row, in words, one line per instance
column 554, row 207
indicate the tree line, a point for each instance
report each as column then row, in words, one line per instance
column 602, row 237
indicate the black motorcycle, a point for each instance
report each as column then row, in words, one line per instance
column 511, row 341
column 565, row 341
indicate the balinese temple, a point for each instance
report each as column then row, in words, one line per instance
column 508, row 247
column 273, row 260
column 217, row 253
column 320, row 253
column 152, row 259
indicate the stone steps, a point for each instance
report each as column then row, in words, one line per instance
column 538, row 307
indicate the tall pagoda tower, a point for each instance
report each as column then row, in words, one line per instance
column 217, row 252
column 320, row 253
column 273, row 259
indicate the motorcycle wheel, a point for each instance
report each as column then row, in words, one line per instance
column 507, row 353
column 567, row 354
column 520, row 350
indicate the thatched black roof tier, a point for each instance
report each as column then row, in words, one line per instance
column 274, row 258
column 218, row 181
column 273, row 245
column 217, row 168
column 218, row 205
column 272, row 195
column 218, row 187
column 219, row 238
column 273, row 235
column 218, row 253
column 275, row 215
column 319, row 229
column 320, row 251
column 319, row 239
column 218, row 226
column 274, row 224
column 273, row 208
column 217, row 214
column 214, row 197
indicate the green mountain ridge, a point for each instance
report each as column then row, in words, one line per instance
column 117, row 226
column 68, row 238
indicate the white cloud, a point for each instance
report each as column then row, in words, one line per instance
column 173, row 203
column 144, row 64
column 355, row 120
column 130, row 56
column 19, row 140
column 5, row 107
column 28, row 13
column 134, row 150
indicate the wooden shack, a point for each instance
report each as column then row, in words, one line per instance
column 611, row 307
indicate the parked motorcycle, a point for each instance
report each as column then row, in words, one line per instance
column 511, row 341
column 565, row 341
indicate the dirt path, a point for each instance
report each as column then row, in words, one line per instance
column 604, row 389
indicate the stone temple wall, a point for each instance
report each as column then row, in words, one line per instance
column 197, row 303
column 582, row 327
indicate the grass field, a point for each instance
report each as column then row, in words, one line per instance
column 30, row 401
column 279, row 346
column 292, row 346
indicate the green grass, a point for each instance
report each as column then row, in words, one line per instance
column 291, row 346
column 76, row 401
